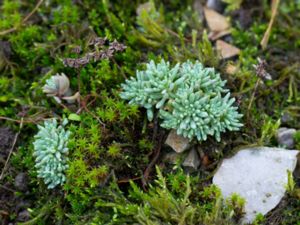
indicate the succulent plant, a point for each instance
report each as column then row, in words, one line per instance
column 50, row 150
column 201, row 79
column 58, row 87
column 195, row 115
column 188, row 96
column 153, row 86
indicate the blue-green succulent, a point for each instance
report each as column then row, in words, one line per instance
column 58, row 87
column 195, row 115
column 191, row 99
column 50, row 151
column 153, row 86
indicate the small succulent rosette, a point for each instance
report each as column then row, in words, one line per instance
column 50, row 152
column 58, row 87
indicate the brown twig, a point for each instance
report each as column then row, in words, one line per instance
column 153, row 161
column 93, row 115
column 12, row 148
column 265, row 40
column 17, row 121
column 252, row 96
column 83, row 103
column 63, row 105
column 7, row 189
column 26, row 18
column 175, row 34
column 78, row 86
column 122, row 73
column 155, row 130
column 126, row 180
column 85, row 107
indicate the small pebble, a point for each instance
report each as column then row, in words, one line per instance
column 192, row 160
column 285, row 137
column 23, row 216
column 215, row 5
column 177, row 142
column 21, row 183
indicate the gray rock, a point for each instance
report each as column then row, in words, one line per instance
column 177, row 142
column 172, row 157
column 198, row 9
column 21, row 203
column 23, row 216
column 285, row 137
column 215, row 5
column 257, row 174
column 286, row 118
column 21, row 182
column 6, row 140
column 192, row 160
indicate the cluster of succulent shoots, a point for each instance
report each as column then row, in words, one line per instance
column 50, row 152
column 190, row 98
column 58, row 87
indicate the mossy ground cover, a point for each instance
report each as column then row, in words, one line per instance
column 116, row 174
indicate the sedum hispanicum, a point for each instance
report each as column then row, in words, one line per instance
column 50, row 151
column 191, row 98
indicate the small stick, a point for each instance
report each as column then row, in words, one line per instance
column 17, row 121
column 6, row 188
column 265, row 40
column 127, row 180
column 24, row 20
column 78, row 87
column 153, row 161
column 252, row 96
column 33, row 11
column 12, row 148
column 122, row 73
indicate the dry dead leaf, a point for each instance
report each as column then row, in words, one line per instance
column 231, row 69
column 216, row 22
column 227, row 50
column 265, row 40
column 206, row 161
column 214, row 35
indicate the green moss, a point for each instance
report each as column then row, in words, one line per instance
column 297, row 139
column 291, row 214
column 112, row 139
column 166, row 203
column 10, row 16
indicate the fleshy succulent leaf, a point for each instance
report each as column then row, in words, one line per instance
column 50, row 150
column 188, row 97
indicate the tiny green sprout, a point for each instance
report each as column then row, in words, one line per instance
column 291, row 184
column 114, row 150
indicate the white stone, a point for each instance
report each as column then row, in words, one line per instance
column 177, row 142
column 259, row 175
